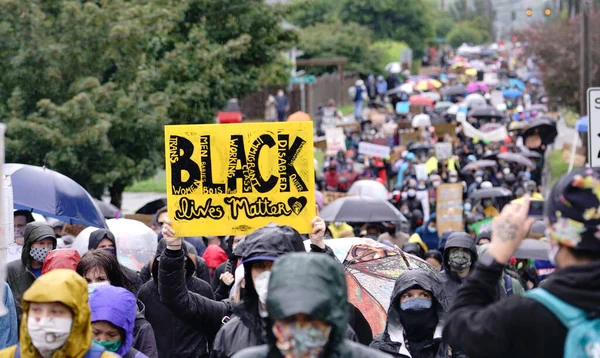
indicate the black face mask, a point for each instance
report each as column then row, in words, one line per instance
column 419, row 325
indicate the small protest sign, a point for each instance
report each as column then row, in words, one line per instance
column 374, row 150
column 449, row 207
column 234, row 179
column 421, row 172
column 444, row 129
column 331, row 196
column 481, row 226
column 443, row 151
column 336, row 140
column 408, row 137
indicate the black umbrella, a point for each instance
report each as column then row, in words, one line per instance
column 516, row 158
column 489, row 155
column 419, row 146
column 496, row 192
column 455, row 91
column 545, row 128
column 483, row 163
column 108, row 210
column 152, row 207
column 361, row 209
column 485, row 112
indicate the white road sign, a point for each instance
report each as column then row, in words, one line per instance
column 593, row 101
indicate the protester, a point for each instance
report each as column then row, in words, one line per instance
column 113, row 316
column 282, row 105
column 512, row 326
column 484, row 237
column 174, row 336
column 9, row 329
column 371, row 87
column 428, row 232
column 224, row 274
column 105, row 240
column 271, row 109
column 21, row 219
column 39, row 240
column 307, row 317
column 460, row 256
column 415, row 318
column 358, row 99
column 214, row 256
column 339, row 229
column 61, row 258
column 435, row 258
column 382, row 87
column 56, row 320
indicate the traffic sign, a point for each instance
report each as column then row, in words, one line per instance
column 593, row 102
column 302, row 80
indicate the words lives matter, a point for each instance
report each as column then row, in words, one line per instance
column 193, row 169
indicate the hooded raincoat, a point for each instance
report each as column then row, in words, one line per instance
column 392, row 340
column 429, row 237
column 117, row 306
column 19, row 275
column 99, row 235
column 324, row 297
column 8, row 323
column 61, row 258
column 70, row 289
column 450, row 279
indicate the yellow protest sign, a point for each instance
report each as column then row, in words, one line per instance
column 233, row 179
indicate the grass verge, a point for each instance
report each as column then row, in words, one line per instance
column 558, row 167
column 156, row 184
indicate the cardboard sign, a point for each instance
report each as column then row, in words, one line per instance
column 331, row 196
column 443, row 150
column 444, row 129
column 336, row 140
column 449, row 207
column 374, row 150
column 408, row 137
column 234, row 179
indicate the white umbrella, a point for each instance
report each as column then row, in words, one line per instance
column 393, row 67
column 433, row 95
column 407, row 88
column 421, row 120
column 136, row 242
column 475, row 100
column 453, row 109
column 369, row 188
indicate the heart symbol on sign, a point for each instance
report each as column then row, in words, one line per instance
column 297, row 204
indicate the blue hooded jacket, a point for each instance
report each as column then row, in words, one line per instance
column 8, row 323
column 117, row 306
column 430, row 238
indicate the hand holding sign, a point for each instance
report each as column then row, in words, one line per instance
column 318, row 233
column 173, row 243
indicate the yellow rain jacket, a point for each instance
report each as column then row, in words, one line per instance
column 336, row 232
column 416, row 238
column 67, row 287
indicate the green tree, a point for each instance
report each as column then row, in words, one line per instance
column 463, row 33
column 388, row 51
column 340, row 40
column 444, row 24
column 400, row 20
column 305, row 13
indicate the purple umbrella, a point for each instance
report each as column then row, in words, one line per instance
column 476, row 86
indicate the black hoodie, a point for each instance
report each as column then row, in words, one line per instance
column 434, row 348
column 517, row 326
column 323, row 297
column 450, row 279
column 101, row 234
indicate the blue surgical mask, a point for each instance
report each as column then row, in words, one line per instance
column 433, row 229
column 416, row 304
column 467, row 207
column 92, row 286
column 527, row 175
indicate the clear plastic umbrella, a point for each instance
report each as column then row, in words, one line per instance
column 136, row 242
column 421, row 120
column 369, row 188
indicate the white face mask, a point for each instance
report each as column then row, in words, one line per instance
column 261, row 285
column 453, row 179
column 48, row 334
column 93, row 286
column 552, row 251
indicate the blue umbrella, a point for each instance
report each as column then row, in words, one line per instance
column 582, row 124
column 52, row 194
column 513, row 82
column 511, row 93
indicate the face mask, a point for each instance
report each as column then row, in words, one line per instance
column 411, row 193
column 479, row 179
column 433, row 229
column 337, row 224
column 92, row 286
column 39, row 254
column 300, row 340
column 405, row 212
column 487, row 203
column 422, row 187
column 110, row 346
column 112, row 250
column 261, row 284
column 350, row 167
column 48, row 334
column 436, row 184
column 416, row 304
column 506, row 171
column 527, row 175
column 459, row 260
column 453, row 179
column 19, row 232
column 467, row 207
column 552, row 251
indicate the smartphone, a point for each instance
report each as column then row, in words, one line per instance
column 536, row 208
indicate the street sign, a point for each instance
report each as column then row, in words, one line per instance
column 593, row 102
column 302, row 80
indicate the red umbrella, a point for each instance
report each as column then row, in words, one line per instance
column 421, row 100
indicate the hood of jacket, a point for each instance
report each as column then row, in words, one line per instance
column 323, row 296
column 425, row 280
column 70, row 289
column 214, row 256
column 577, row 285
column 416, row 238
column 61, row 258
column 463, row 240
column 35, row 231
column 117, row 306
column 99, row 235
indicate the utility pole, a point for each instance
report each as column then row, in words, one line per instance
column 584, row 54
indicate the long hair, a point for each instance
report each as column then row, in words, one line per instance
column 102, row 259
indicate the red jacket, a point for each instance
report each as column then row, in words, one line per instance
column 61, row 259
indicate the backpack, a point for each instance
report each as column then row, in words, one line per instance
column 583, row 335
column 95, row 351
